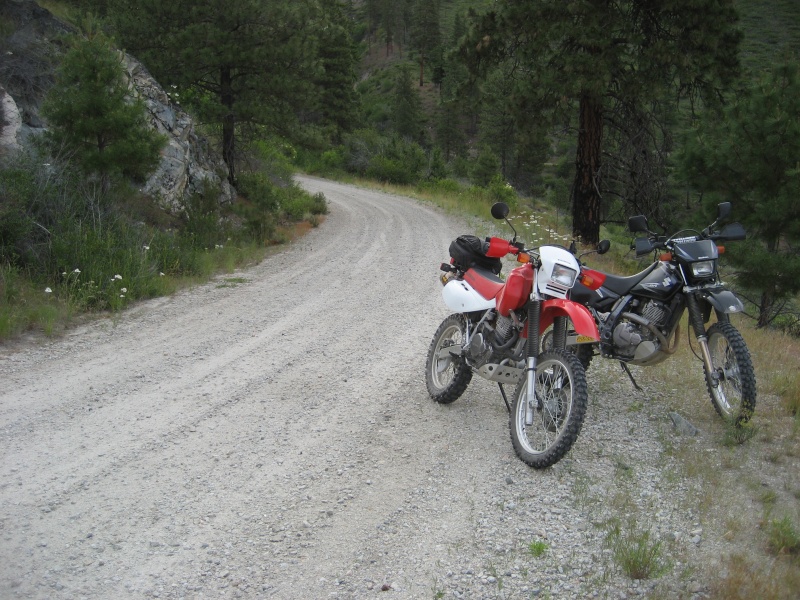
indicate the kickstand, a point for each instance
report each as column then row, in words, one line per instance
column 503, row 393
column 628, row 371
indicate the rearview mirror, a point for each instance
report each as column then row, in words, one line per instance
column 500, row 210
column 638, row 223
column 723, row 210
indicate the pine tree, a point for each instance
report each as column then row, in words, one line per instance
column 750, row 157
column 426, row 36
column 243, row 64
column 582, row 56
column 337, row 99
column 406, row 107
column 92, row 115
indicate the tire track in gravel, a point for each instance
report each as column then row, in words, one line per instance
column 125, row 435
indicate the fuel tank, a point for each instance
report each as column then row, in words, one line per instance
column 514, row 294
column 660, row 283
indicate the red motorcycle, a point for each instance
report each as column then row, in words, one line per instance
column 495, row 332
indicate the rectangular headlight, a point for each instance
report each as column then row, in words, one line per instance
column 703, row 268
column 563, row 275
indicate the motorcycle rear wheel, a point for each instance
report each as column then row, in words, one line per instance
column 734, row 398
column 544, row 433
column 446, row 375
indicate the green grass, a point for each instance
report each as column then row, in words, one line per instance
column 636, row 553
column 771, row 29
column 784, row 536
column 538, row 548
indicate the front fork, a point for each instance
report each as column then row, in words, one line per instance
column 532, row 352
column 698, row 325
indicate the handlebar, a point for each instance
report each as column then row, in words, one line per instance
column 651, row 243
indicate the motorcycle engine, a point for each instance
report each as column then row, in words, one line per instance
column 636, row 341
column 482, row 347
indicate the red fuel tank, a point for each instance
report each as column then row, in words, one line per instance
column 514, row 294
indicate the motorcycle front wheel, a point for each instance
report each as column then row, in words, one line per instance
column 544, row 428
column 447, row 375
column 734, row 396
column 584, row 352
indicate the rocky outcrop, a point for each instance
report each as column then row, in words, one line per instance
column 187, row 162
column 28, row 58
column 10, row 123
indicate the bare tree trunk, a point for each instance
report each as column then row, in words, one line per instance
column 228, row 124
column 765, row 308
column 586, row 187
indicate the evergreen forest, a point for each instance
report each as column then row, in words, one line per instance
column 597, row 109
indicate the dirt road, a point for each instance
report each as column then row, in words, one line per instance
column 269, row 435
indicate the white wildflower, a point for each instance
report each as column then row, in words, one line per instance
column 117, row 276
column 124, row 290
column 47, row 290
column 77, row 271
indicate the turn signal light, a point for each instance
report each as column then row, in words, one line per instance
column 592, row 279
column 666, row 257
column 523, row 257
column 721, row 249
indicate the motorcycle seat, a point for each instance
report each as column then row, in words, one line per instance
column 623, row 285
column 483, row 281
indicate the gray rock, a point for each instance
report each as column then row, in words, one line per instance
column 187, row 161
column 682, row 426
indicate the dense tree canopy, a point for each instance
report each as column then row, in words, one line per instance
column 750, row 156
column 585, row 56
column 242, row 64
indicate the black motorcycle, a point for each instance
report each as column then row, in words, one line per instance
column 638, row 317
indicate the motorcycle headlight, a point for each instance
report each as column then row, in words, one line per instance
column 703, row 268
column 563, row 275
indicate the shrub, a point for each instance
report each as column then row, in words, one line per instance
column 116, row 139
column 784, row 538
column 485, row 168
column 201, row 218
column 389, row 170
column 299, row 205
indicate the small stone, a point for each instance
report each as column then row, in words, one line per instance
column 682, row 426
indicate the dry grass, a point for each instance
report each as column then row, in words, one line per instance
column 747, row 577
column 744, row 474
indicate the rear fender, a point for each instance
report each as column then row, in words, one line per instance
column 582, row 320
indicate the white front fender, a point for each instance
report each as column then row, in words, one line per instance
column 459, row 296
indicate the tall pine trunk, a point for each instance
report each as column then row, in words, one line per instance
column 228, row 124
column 586, row 187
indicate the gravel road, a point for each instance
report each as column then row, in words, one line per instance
column 269, row 435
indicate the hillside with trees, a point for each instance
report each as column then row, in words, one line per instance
column 600, row 109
